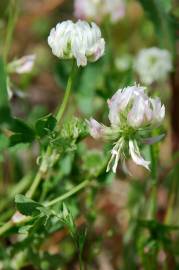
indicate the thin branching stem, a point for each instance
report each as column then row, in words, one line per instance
column 10, row 224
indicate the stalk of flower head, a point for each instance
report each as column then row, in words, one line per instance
column 78, row 41
column 153, row 65
column 131, row 112
column 153, row 203
column 12, row 17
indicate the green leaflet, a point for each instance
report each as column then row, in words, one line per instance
column 27, row 206
column 45, row 125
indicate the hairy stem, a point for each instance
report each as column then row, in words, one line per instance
column 172, row 195
column 59, row 116
column 154, row 181
column 34, row 185
column 15, row 189
column 63, row 106
column 69, row 193
column 30, row 193
column 81, row 261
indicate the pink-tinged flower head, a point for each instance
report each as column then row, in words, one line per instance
column 22, row 65
column 79, row 40
column 115, row 9
column 133, row 107
column 98, row 10
column 131, row 111
column 86, row 9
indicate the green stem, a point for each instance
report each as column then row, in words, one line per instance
column 39, row 174
column 69, row 193
column 59, row 115
column 81, row 262
column 153, row 210
column 169, row 211
column 6, row 214
column 18, row 188
column 10, row 224
column 7, row 226
column 172, row 197
column 62, row 108
column 12, row 17
column 34, row 185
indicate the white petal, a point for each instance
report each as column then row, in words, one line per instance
column 136, row 157
column 136, row 115
column 115, row 155
column 158, row 110
column 95, row 128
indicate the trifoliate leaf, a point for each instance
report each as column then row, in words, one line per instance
column 27, row 206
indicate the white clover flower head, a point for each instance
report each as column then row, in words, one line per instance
column 86, row 9
column 79, row 40
column 23, row 65
column 114, row 9
column 153, row 64
column 98, row 10
column 131, row 111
